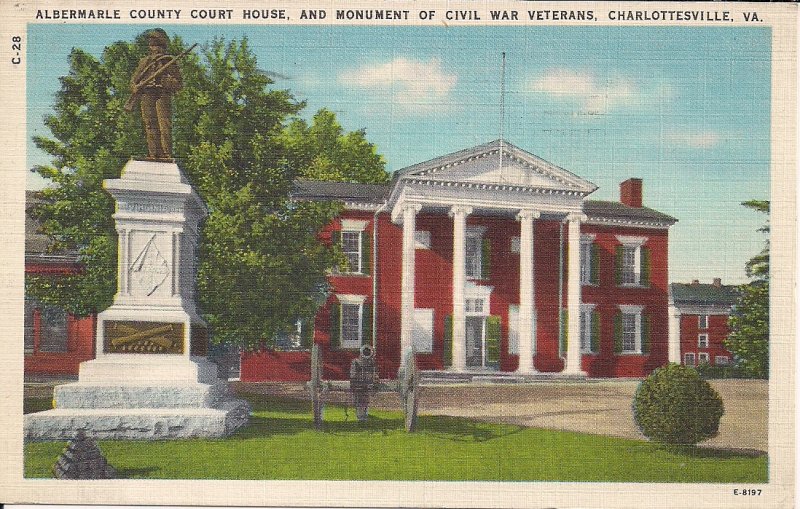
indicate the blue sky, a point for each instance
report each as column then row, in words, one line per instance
column 685, row 109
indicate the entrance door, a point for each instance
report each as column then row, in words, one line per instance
column 475, row 341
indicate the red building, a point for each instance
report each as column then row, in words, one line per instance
column 488, row 259
column 56, row 342
column 699, row 322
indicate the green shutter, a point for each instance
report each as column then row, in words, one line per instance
column 645, row 334
column 644, row 277
column 493, row 341
column 307, row 333
column 448, row 340
column 594, row 342
column 336, row 243
column 336, row 238
column 366, row 255
column 618, row 265
column 563, row 340
column 594, row 276
column 336, row 331
column 366, row 324
column 486, row 258
column 618, row 333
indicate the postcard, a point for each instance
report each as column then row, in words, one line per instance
column 399, row 254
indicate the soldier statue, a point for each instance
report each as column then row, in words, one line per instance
column 363, row 377
column 153, row 83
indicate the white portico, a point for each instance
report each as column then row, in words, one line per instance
column 494, row 180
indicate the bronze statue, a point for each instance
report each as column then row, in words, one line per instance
column 153, row 83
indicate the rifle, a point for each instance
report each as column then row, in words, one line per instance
column 136, row 89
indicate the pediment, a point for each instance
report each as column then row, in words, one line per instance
column 483, row 164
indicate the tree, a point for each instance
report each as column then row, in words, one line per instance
column 261, row 265
column 748, row 338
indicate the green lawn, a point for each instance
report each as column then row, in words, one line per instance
column 280, row 443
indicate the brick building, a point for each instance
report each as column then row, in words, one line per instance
column 488, row 259
column 699, row 322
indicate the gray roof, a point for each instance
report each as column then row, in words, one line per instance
column 617, row 210
column 344, row 191
column 703, row 294
column 37, row 245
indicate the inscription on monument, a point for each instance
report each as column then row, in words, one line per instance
column 150, row 268
column 149, row 207
column 143, row 337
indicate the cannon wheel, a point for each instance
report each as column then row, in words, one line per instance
column 409, row 391
column 315, row 386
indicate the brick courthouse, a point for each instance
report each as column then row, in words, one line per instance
column 488, row 259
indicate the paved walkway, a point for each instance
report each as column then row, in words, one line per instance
column 599, row 407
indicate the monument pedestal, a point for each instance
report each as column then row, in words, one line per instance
column 150, row 379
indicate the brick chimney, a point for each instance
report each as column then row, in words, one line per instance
column 630, row 192
column 717, row 282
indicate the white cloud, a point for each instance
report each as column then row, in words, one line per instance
column 415, row 85
column 705, row 139
column 595, row 96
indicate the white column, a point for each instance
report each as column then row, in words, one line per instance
column 407, row 290
column 459, row 215
column 526, row 295
column 573, row 364
column 674, row 335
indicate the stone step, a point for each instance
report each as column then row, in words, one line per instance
column 138, row 423
column 148, row 368
column 116, row 395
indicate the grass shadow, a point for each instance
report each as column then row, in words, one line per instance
column 457, row 429
column 32, row 405
column 691, row 451
column 136, row 473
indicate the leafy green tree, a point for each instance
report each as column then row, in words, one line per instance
column 748, row 339
column 239, row 141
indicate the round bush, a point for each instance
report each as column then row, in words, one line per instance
column 675, row 406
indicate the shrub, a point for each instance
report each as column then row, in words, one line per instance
column 675, row 406
column 707, row 371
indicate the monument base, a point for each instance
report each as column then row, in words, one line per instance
column 141, row 397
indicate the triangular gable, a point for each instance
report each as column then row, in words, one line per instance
column 482, row 164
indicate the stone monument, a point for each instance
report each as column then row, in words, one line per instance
column 150, row 378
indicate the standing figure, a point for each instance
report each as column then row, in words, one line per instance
column 155, row 80
column 363, row 377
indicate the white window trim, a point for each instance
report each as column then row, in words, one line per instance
column 586, row 328
column 356, row 226
column 686, row 356
column 703, row 357
column 513, row 329
column 423, row 330
column 726, row 362
column 353, row 300
column 636, row 243
column 475, row 232
column 700, row 342
column 587, row 241
column 700, row 322
column 630, row 309
column 473, row 291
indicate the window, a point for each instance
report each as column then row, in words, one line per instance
column 721, row 360
column 588, row 265
column 422, row 239
column 702, row 358
column 515, row 243
column 473, row 257
column 702, row 341
column 513, row 329
column 53, row 332
column 351, row 246
column 423, row 330
column 633, row 261
column 351, row 325
column 588, row 328
column 702, row 322
column 475, row 246
column 688, row 359
column 630, row 330
column 474, row 306
column 30, row 308
column 355, row 246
